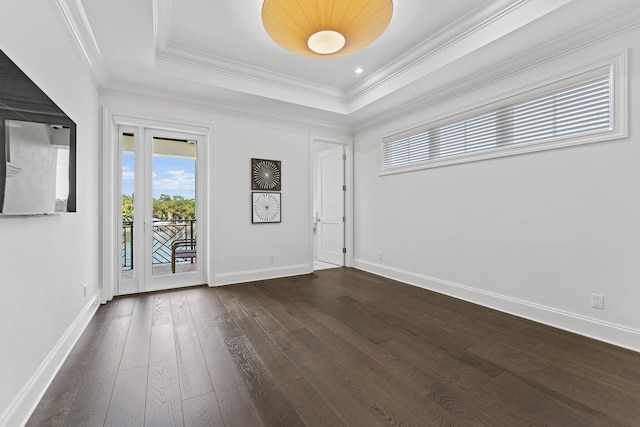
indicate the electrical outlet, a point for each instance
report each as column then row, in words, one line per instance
column 597, row 301
column 379, row 256
column 84, row 290
column 272, row 258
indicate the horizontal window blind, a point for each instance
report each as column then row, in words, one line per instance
column 577, row 110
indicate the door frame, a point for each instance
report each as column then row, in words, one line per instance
column 348, row 195
column 111, row 171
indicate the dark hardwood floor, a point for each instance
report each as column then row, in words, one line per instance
column 335, row 348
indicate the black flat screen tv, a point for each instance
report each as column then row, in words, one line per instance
column 37, row 148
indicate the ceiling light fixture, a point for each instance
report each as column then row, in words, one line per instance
column 324, row 28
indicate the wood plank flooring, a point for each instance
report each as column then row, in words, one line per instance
column 339, row 347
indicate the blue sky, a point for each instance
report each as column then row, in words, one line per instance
column 171, row 175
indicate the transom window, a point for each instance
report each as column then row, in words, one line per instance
column 585, row 108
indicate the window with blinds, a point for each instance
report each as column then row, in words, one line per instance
column 581, row 109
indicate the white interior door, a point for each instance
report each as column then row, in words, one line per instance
column 162, row 239
column 329, row 218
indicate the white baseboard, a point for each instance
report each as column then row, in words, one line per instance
column 21, row 408
column 221, row 279
column 611, row 333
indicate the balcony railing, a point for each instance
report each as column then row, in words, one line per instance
column 165, row 232
column 127, row 245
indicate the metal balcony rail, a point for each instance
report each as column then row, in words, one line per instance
column 165, row 232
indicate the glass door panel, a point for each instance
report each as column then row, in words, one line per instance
column 128, row 229
column 174, row 219
column 160, row 233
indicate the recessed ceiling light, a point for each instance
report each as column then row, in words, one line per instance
column 359, row 70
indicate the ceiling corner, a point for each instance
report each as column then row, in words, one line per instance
column 77, row 24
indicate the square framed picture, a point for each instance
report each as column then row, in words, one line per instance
column 265, row 207
column 266, row 175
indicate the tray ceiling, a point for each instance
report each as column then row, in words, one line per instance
column 219, row 50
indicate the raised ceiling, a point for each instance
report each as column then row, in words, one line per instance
column 217, row 51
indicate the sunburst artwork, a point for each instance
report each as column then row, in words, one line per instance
column 266, row 175
column 266, row 207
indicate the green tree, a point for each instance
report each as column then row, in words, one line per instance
column 165, row 207
column 176, row 207
column 127, row 207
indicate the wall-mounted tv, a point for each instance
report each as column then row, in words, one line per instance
column 37, row 148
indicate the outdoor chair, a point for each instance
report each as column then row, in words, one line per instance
column 182, row 249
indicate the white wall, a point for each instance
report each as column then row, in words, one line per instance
column 239, row 250
column 243, row 247
column 45, row 261
column 533, row 234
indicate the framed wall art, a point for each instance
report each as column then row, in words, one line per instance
column 266, row 175
column 265, row 207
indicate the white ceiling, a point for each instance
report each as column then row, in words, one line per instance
column 217, row 51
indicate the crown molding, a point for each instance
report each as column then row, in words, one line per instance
column 439, row 41
column 78, row 27
column 581, row 38
column 203, row 67
column 136, row 92
column 215, row 71
column 161, row 23
column 250, row 72
column 479, row 27
column 468, row 34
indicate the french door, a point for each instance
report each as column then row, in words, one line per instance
column 161, row 238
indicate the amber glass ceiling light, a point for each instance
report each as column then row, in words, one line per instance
column 325, row 27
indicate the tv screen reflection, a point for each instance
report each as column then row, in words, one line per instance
column 37, row 167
